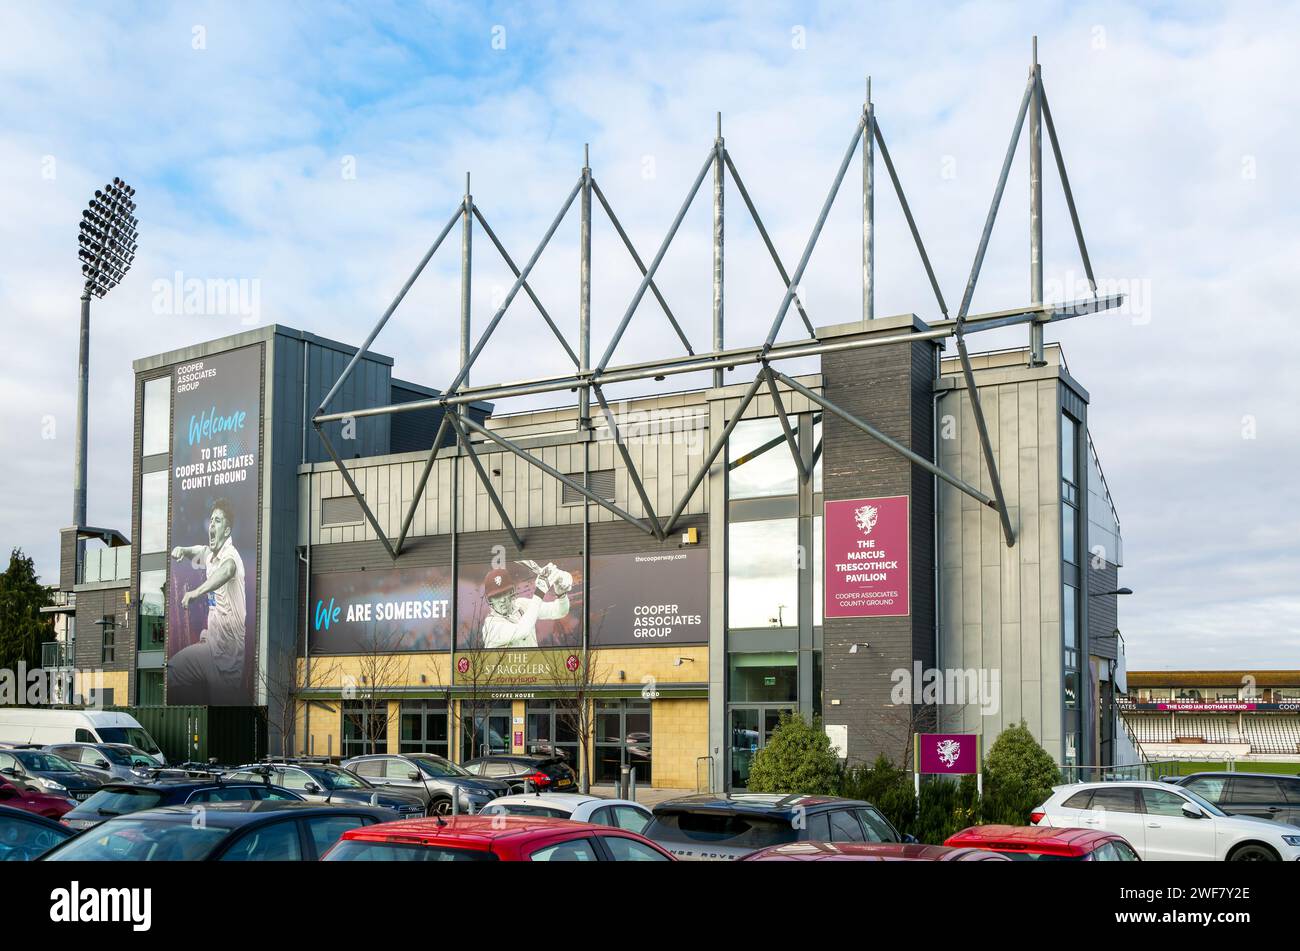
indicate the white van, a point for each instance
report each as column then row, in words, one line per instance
column 47, row 727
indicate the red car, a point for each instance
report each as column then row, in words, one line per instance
column 23, row 796
column 1047, row 843
column 491, row 839
column 868, row 852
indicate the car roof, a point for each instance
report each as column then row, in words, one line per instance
column 751, row 803
column 514, row 758
column 1238, row 773
column 1141, row 783
column 12, row 813
column 559, row 800
column 241, row 812
column 859, row 851
column 1047, row 839
column 474, row 831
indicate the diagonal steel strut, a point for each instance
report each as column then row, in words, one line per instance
column 483, row 477
column 791, row 441
column 627, row 461
column 356, row 492
column 528, row 457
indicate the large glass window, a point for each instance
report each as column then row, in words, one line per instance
column 153, row 610
column 763, row 573
column 763, row 676
column 1069, row 491
column 759, row 462
column 157, row 416
column 424, row 727
column 153, row 512
column 551, row 730
column 365, row 727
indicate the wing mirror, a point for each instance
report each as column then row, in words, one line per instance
column 413, row 775
column 102, row 764
column 1192, row 811
column 311, row 788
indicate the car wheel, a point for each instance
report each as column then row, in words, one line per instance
column 440, row 807
column 1254, row 853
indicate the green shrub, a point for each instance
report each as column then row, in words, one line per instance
column 1018, row 775
column 885, row 786
column 797, row 759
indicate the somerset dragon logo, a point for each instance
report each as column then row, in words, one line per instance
column 866, row 517
column 462, row 665
column 948, row 751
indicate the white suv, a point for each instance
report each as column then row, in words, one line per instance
column 1168, row 823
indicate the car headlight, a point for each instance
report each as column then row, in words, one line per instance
column 1292, row 840
column 51, row 785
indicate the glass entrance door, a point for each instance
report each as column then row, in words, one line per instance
column 751, row 728
column 485, row 733
column 622, row 739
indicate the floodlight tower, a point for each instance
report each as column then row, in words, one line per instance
column 108, row 231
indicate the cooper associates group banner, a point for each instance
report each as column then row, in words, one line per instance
column 212, row 582
column 640, row 598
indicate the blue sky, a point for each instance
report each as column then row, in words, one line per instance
column 317, row 148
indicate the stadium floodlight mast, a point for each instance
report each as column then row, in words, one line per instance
column 107, row 238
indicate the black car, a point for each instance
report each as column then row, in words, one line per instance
column 727, row 827
column 319, row 781
column 170, row 788
column 443, row 786
column 51, row 773
column 230, row 832
column 525, row 773
column 1262, row 795
column 25, row 835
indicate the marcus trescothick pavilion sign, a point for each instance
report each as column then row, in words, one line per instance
column 867, row 557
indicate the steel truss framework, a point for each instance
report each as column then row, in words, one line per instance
column 590, row 380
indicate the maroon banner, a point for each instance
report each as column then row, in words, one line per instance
column 955, row 754
column 867, row 557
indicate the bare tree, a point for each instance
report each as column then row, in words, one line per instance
column 900, row 723
column 288, row 683
column 577, row 674
column 380, row 667
column 478, row 672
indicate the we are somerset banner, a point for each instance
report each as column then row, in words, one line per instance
column 212, row 582
column 648, row 598
column 867, row 557
column 378, row 611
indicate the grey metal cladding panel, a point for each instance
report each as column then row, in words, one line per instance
column 370, row 384
column 93, row 606
column 422, row 552
column 1103, row 612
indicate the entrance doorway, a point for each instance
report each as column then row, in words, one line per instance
column 622, row 739
column 751, row 728
column 484, row 732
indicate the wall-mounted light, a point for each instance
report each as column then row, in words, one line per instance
column 683, row 660
column 853, row 648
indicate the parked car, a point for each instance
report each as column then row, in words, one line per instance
column 436, row 781
column 45, row 727
column 16, row 794
column 230, row 832
column 1168, row 823
column 1047, row 843
column 494, row 838
column 868, row 852
column 106, row 761
column 523, row 773
column 324, row 782
column 51, row 773
column 616, row 813
column 25, row 835
column 1262, row 795
column 173, row 788
column 726, row 827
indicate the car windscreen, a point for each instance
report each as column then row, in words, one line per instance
column 749, row 832
column 118, row 801
column 130, row 735
column 500, row 808
column 355, row 850
column 437, row 768
column 140, row 840
column 337, row 779
column 39, row 762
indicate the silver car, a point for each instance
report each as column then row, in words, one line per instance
column 107, row 761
